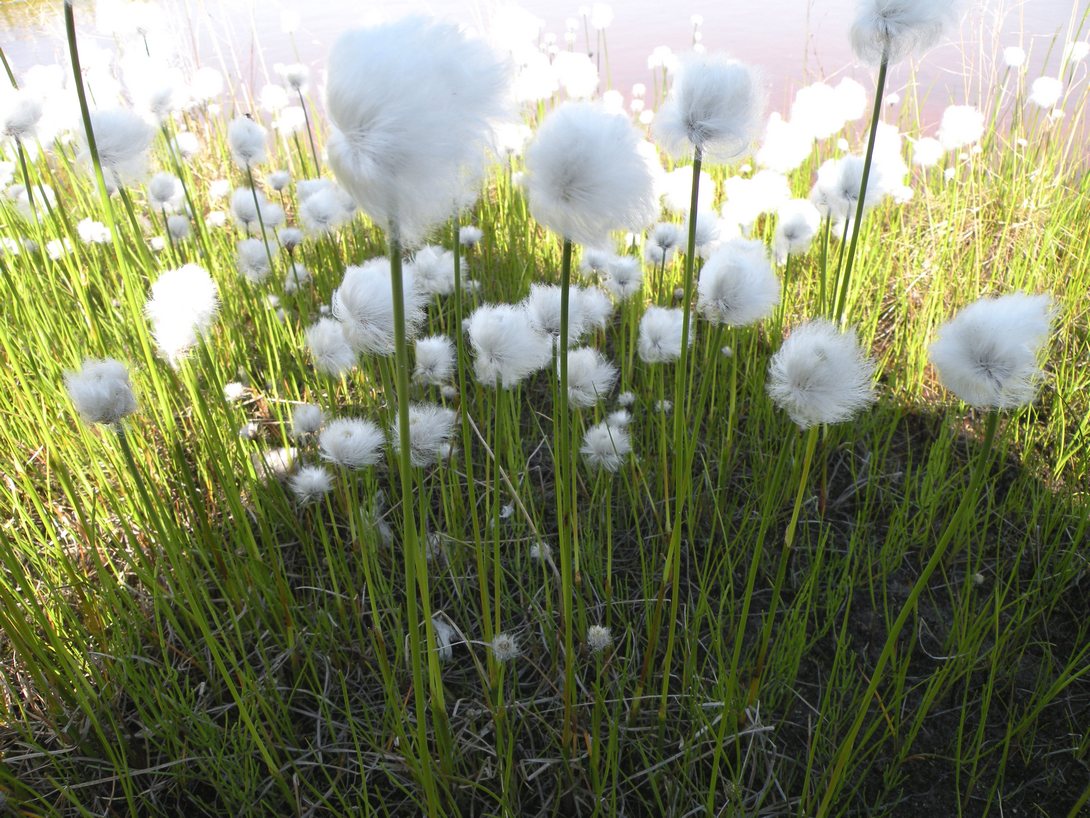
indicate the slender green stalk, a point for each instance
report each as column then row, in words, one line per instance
column 968, row 502
column 682, row 447
column 310, row 135
column 840, row 291
column 785, row 555
column 92, row 145
column 7, row 68
column 562, row 467
column 412, row 551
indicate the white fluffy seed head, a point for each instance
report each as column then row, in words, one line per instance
column 1045, row 91
column 586, row 175
column 989, row 353
column 434, row 360
column 605, row 447
column 624, row 277
column 20, row 112
column 310, row 484
column 836, row 192
column 253, row 260
column 433, row 270
column 122, row 139
column 351, row 442
column 893, row 29
column 181, row 309
column 599, row 638
column 178, row 226
column 664, row 241
column 323, row 211
column 927, row 152
column 797, row 223
column 430, row 429
column 590, row 377
column 306, row 419
column 737, row 285
column 505, row 647
column 716, row 106
column 164, row 191
column 506, row 348
column 470, row 236
column 248, row 141
column 660, row 335
column 364, row 303
column 101, row 391
column 278, row 180
column 410, row 102
column 290, row 237
column 820, row 375
column 961, row 125
column 329, row 349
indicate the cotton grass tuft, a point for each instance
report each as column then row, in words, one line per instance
column 988, row 354
column 820, row 375
column 101, row 391
column 586, row 175
column 410, row 102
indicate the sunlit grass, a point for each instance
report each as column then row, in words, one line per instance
column 181, row 636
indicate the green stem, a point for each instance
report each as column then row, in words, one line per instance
column 562, row 468
column 844, row 282
column 411, row 550
column 310, row 136
column 965, row 507
column 7, row 69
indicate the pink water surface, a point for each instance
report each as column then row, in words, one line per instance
column 793, row 41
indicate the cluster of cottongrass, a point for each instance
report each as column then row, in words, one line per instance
column 413, row 107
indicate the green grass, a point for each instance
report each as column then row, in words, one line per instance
column 180, row 638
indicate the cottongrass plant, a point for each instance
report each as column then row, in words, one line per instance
column 586, row 177
column 884, row 32
column 253, row 554
column 988, row 355
column 410, row 103
column 714, row 113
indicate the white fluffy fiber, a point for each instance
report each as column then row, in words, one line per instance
column 430, row 428
column 101, row 391
column 364, row 304
column 590, row 377
column 961, row 125
column 433, row 269
column 797, row 222
column 737, row 285
column 586, row 175
column 248, row 141
column 988, row 354
column 329, row 348
column 716, row 105
column 352, row 442
column 310, row 484
column 181, row 309
column 624, row 277
column 660, row 335
column 896, row 28
column 506, row 349
column 434, row 360
column 122, row 139
column 820, row 375
column 585, row 310
column 253, row 260
column 19, row 114
column 410, row 102
column 606, row 446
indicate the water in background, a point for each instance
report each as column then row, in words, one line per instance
column 793, row 41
